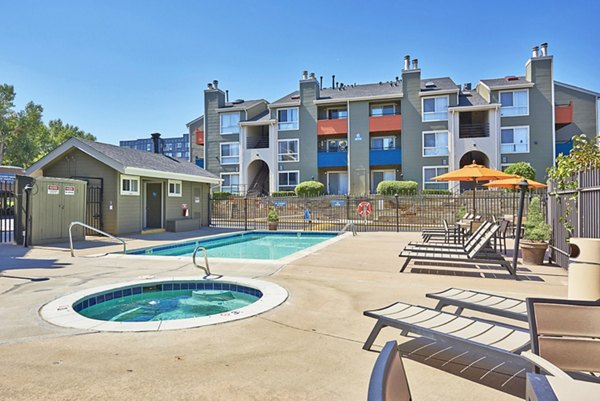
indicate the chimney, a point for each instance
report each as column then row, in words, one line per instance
column 467, row 87
column 216, row 84
column 156, row 142
column 312, row 75
column 406, row 62
column 534, row 51
column 544, row 47
column 304, row 75
column 209, row 86
column 321, row 81
column 227, row 95
column 415, row 64
column 332, row 81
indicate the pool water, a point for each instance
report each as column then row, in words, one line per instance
column 168, row 305
column 252, row 245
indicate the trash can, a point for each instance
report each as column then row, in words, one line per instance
column 584, row 269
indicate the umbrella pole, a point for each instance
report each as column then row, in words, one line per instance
column 474, row 186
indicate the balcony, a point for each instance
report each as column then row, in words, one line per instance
column 475, row 130
column 200, row 163
column 563, row 113
column 199, row 137
column 385, row 123
column 382, row 157
column 332, row 159
column 332, row 127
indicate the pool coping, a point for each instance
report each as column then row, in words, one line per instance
column 271, row 262
column 60, row 311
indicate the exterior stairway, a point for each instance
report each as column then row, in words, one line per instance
column 260, row 184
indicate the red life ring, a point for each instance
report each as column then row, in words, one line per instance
column 364, row 208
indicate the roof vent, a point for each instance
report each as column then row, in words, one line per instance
column 295, row 97
column 512, row 78
column 238, row 101
column 430, row 84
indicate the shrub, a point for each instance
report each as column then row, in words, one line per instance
column 462, row 210
column 273, row 215
column 523, row 169
column 280, row 194
column 310, row 188
column 536, row 228
column 397, row 187
column 436, row 192
column 221, row 195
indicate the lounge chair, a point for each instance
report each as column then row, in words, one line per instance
column 444, row 233
column 471, row 241
column 476, row 255
column 566, row 333
column 388, row 378
column 511, row 308
column 479, row 337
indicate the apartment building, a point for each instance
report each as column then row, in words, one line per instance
column 178, row 147
column 351, row 137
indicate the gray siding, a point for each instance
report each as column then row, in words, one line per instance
column 358, row 157
column 77, row 163
column 584, row 113
column 411, row 125
column 129, row 211
column 307, row 117
column 196, row 151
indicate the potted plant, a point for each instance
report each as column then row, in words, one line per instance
column 273, row 218
column 536, row 236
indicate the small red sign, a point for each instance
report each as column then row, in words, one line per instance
column 53, row 189
column 364, row 209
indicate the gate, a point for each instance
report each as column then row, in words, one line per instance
column 93, row 213
column 7, row 210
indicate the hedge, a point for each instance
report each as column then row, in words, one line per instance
column 397, row 187
column 310, row 188
column 279, row 194
column 221, row 195
column 436, row 192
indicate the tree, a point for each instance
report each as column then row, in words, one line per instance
column 24, row 138
column 522, row 169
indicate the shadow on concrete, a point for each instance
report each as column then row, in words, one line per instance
column 14, row 257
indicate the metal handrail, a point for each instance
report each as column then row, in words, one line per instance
column 206, row 269
column 349, row 225
column 78, row 223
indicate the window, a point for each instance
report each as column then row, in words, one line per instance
column 383, row 110
column 379, row 176
column 514, row 103
column 229, row 123
column 174, row 188
column 178, row 145
column 130, row 185
column 435, row 143
column 288, row 150
column 288, row 119
column 383, row 143
column 178, row 154
column 435, row 108
column 230, row 153
column 231, row 183
column 335, row 114
column 148, row 147
column 288, row 180
column 514, row 140
column 434, row 171
column 333, row 145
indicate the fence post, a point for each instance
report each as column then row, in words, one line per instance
column 347, row 207
column 397, row 214
column 245, row 213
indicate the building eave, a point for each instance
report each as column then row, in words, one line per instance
column 490, row 106
column 438, row 92
column 285, row 104
column 578, row 89
column 358, row 99
column 170, row 176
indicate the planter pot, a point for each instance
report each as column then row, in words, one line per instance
column 273, row 225
column 584, row 269
column 533, row 252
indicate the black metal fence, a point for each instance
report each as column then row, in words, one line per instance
column 332, row 213
column 583, row 217
column 7, row 211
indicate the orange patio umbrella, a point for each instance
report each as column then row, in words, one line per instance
column 474, row 173
column 513, row 183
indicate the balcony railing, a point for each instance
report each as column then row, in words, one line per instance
column 476, row 130
column 385, row 123
column 563, row 113
column 332, row 127
column 332, row 158
column 257, row 142
column 385, row 156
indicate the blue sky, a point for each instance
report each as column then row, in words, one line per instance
column 124, row 69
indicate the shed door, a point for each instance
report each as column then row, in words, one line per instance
column 153, row 205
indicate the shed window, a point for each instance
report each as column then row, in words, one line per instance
column 174, row 188
column 130, row 185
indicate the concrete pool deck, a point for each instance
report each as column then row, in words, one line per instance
column 308, row 348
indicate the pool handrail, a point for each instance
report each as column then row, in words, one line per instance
column 78, row 223
column 349, row 225
column 206, row 269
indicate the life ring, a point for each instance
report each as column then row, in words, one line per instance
column 364, row 209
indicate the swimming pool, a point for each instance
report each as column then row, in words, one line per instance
column 247, row 245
